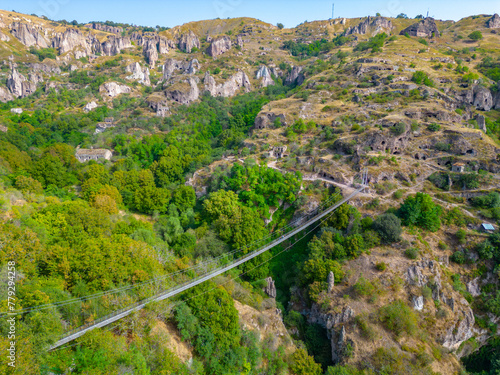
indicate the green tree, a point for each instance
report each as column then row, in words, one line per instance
column 303, row 364
column 421, row 211
column 388, row 226
column 475, row 35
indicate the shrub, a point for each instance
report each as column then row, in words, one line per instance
column 398, row 318
column 363, row 287
column 381, row 266
column 423, row 41
column 427, row 293
column 398, row 194
column 420, row 77
column 411, row 253
column 364, row 326
column 388, row 226
column 461, row 236
column 280, row 25
column 434, row 127
column 458, row 257
column 475, row 35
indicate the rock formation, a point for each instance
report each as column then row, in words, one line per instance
column 461, row 330
column 103, row 27
column 424, row 28
column 230, row 87
column 89, row 106
column 219, row 46
column 270, row 288
column 19, row 86
column 377, row 24
column 69, row 40
column 171, row 65
column 139, row 74
column 188, row 41
column 113, row 89
column 182, row 94
column 494, row 22
column 5, row 95
column 331, row 281
column 295, row 77
column 265, row 75
column 28, row 35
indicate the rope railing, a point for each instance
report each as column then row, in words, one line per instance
column 183, row 286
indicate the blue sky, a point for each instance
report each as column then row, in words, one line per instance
column 290, row 13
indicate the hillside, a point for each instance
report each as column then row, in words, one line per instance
column 134, row 158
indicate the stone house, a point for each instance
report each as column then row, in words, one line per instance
column 85, row 154
column 278, row 152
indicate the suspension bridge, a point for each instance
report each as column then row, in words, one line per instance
column 121, row 313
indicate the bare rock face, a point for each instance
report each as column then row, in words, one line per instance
column 239, row 41
column 494, row 22
column 4, row 37
column 219, row 46
column 184, row 96
column 5, row 95
column 69, row 40
column 19, row 86
column 331, row 281
column 113, row 89
column 424, row 28
column 418, row 303
column 378, row 24
column 89, row 106
column 45, row 68
column 150, row 52
column 270, row 288
column 103, row 27
column 171, row 65
column 228, row 88
column 483, row 99
column 330, row 320
column 267, row 119
column 188, row 41
column 114, row 45
column 265, row 75
column 139, row 74
column 473, row 287
column 461, row 330
column 28, row 35
column 295, row 77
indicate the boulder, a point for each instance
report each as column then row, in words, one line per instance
column 228, row 88
column 265, row 75
column 89, row 106
column 377, row 24
column 219, row 46
column 139, row 74
column 28, row 35
column 188, row 41
column 295, row 77
column 113, row 89
column 493, row 22
column 424, row 28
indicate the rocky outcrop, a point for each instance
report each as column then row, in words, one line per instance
column 114, row 45
column 424, row 28
column 418, row 303
column 113, row 89
column 28, row 35
column 295, row 77
column 264, row 74
column 19, row 86
column 183, row 93
column 188, row 41
column 493, row 22
column 239, row 41
column 50, row 68
column 5, row 95
column 186, row 67
column 230, row 87
column 89, row 106
column 69, row 40
column 139, row 74
column 150, row 51
column 270, row 288
column 479, row 97
column 4, row 37
column 267, row 119
column 330, row 281
column 106, row 28
column 374, row 24
column 219, row 46
column 461, row 330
